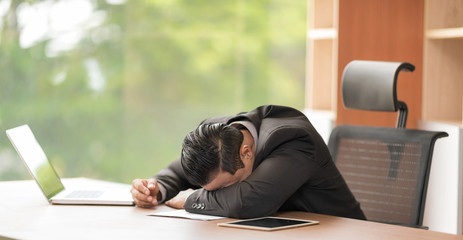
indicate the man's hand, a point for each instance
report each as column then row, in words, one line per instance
column 145, row 192
column 179, row 200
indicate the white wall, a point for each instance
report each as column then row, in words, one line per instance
column 443, row 210
column 323, row 121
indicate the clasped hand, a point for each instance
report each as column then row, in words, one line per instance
column 145, row 193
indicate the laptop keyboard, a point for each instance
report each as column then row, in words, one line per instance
column 84, row 194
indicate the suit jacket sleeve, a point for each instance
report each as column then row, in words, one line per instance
column 173, row 179
column 277, row 177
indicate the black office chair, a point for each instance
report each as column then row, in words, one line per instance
column 386, row 168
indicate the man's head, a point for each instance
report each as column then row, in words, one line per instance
column 212, row 155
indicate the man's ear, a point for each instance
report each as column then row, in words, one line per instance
column 245, row 151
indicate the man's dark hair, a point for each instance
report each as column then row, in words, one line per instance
column 207, row 149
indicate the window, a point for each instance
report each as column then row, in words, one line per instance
column 110, row 88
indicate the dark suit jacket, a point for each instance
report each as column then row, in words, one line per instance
column 293, row 170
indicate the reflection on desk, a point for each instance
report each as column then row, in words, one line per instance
column 25, row 214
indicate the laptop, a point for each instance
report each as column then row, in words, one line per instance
column 50, row 183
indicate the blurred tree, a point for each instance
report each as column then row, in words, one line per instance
column 111, row 87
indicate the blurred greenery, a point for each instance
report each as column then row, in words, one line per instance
column 115, row 98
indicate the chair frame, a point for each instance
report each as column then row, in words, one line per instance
column 371, row 86
column 426, row 139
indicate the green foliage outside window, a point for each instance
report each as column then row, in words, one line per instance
column 111, row 94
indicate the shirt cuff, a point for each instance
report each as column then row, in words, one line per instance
column 163, row 191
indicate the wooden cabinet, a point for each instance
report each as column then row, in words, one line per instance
column 426, row 33
column 322, row 55
column 380, row 30
column 442, row 111
column 443, row 61
column 322, row 64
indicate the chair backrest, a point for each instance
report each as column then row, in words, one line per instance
column 371, row 85
column 387, row 169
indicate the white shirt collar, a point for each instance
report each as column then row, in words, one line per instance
column 251, row 128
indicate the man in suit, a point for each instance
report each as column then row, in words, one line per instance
column 251, row 165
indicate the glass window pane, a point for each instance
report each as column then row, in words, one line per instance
column 110, row 88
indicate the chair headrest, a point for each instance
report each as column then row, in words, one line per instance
column 371, row 85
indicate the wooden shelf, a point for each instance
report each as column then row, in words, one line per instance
column 322, row 33
column 323, row 13
column 444, row 33
column 443, row 58
column 443, row 14
column 321, row 88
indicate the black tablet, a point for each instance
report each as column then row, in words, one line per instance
column 268, row 223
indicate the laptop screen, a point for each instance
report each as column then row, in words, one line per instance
column 35, row 160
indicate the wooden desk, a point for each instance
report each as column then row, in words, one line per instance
column 25, row 214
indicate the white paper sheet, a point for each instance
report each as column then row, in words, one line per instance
column 184, row 214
